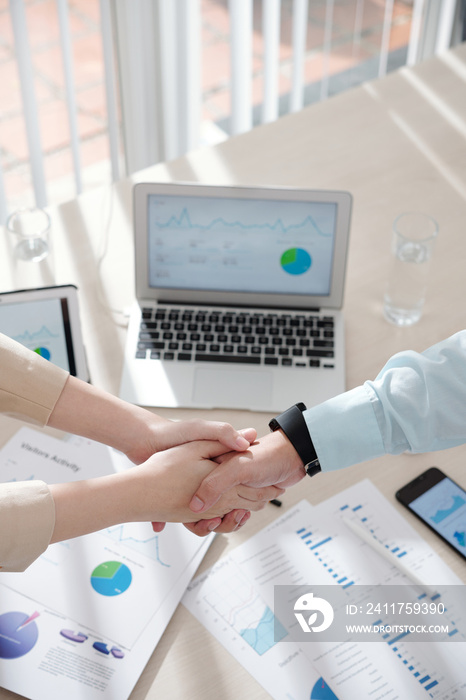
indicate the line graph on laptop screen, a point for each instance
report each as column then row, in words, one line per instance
column 244, row 245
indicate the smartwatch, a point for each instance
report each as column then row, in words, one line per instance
column 294, row 426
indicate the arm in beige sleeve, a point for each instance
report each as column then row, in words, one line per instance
column 34, row 389
column 27, row 519
column 29, row 385
column 29, row 389
column 32, row 514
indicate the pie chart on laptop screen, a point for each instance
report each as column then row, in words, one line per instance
column 295, row 261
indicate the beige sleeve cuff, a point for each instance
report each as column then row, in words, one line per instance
column 29, row 385
column 27, row 519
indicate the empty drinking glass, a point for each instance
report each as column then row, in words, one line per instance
column 413, row 240
column 30, row 229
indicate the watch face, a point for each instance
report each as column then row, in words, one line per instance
column 313, row 468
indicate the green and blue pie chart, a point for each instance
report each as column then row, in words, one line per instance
column 43, row 352
column 111, row 578
column 295, row 261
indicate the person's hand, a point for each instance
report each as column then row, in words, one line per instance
column 167, row 480
column 161, row 434
column 159, row 489
column 164, row 434
column 88, row 411
column 230, row 522
column 272, row 460
column 234, row 519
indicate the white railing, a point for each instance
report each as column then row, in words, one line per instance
column 29, row 101
column 154, row 47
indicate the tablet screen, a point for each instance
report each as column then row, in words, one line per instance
column 43, row 326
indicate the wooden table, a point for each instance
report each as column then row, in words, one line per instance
column 398, row 144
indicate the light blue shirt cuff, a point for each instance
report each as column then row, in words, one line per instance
column 333, row 425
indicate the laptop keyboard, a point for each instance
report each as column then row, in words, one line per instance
column 192, row 334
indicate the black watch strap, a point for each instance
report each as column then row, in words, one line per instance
column 294, row 426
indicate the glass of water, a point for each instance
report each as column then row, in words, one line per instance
column 30, row 229
column 413, row 239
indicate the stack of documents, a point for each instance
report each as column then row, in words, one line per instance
column 84, row 619
column 313, row 546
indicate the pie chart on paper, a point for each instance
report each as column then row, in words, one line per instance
column 111, row 578
column 296, row 261
column 18, row 634
column 321, row 691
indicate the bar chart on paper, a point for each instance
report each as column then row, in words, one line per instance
column 329, row 542
column 332, row 555
column 313, row 545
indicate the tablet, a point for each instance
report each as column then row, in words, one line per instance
column 46, row 320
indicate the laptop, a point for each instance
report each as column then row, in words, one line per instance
column 239, row 293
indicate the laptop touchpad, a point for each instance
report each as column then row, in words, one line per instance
column 233, row 388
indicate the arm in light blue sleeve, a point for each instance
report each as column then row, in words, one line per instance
column 417, row 403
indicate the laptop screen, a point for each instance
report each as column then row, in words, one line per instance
column 269, row 246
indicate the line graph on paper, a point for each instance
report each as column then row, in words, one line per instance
column 140, row 538
column 242, row 609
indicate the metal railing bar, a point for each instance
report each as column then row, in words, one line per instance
column 300, row 14
column 445, row 29
column 189, row 76
column 140, row 82
column 110, row 87
column 385, row 42
column 241, row 65
column 31, row 116
column 65, row 41
column 271, row 35
column 415, row 32
column 357, row 34
column 3, row 202
column 327, row 49
column 169, row 78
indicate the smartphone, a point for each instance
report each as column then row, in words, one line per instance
column 440, row 503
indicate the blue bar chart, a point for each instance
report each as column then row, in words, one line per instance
column 323, row 539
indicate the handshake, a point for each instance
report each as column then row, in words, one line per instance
column 225, row 485
column 204, row 474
